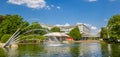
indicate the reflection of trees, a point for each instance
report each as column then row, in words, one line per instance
column 104, row 48
column 74, row 50
column 30, row 50
column 11, row 52
column 115, row 50
column 2, row 53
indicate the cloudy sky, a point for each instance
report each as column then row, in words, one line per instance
column 93, row 13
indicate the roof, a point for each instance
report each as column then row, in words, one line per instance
column 56, row 34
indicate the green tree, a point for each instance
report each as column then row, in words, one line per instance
column 75, row 33
column 114, row 26
column 34, row 25
column 10, row 24
column 55, row 29
column 25, row 24
column 22, row 37
column 1, row 18
column 5, row 37
column 103, row 33
column 35, row 28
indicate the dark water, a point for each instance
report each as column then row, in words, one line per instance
column 65, row 50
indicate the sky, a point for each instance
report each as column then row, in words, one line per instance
column 93, row 13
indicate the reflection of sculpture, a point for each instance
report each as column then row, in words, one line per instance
column 11, row 52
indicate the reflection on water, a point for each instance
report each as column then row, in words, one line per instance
column 65, row 50
column 91, row 50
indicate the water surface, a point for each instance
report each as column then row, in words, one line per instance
column 64, row 50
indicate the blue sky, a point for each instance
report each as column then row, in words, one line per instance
column 94, row 13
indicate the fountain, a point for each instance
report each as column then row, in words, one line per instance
column 55, row 39
column 52, row 39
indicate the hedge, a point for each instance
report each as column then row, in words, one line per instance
column 5, row 37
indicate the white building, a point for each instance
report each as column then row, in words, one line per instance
column 84, row 30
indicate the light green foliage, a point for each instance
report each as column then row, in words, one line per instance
column 5, row 37
column 75, row 33
column 36, row 29
column 114, row 26
column 55, row 29
column 25, row 24
column 34, row 25
column 22, row 37
column 103, row 33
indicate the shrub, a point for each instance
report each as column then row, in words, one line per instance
column 5, row 38
column 110, row 40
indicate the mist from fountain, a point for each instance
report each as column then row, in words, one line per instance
column 53, row 41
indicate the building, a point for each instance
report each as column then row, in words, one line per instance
column 84, row 30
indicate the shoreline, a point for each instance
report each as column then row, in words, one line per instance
column 80, row 41
column 87, row 41
column 1, row 44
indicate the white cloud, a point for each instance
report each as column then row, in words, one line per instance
column 93, row 27
column 92, row 0
column 58, row 7
column 36, row 4
column 105, row 20
column 52, row 5
column 48, row 7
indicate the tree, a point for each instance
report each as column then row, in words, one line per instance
column 114, row 26
column 35, row 28
column 25, row 24
column 103, row 33
column 75, row 33
column 5, row 37
column 1, row 18
column 10, row 24
column 55, row 29
column 35, row 25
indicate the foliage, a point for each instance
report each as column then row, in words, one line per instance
column 103, row 33
column 75, row 33
column 25, row 24
column 35, row 28
column 10, row 24
column 110, row 40
column 114, row 26
column 55, row 29
column 1, row 18
column 22, row 37
column 5, row 37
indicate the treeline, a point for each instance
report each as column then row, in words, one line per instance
column 10, row 23
column 111, row 32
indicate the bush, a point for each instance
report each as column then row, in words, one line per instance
column 5, row 38
column 1, row 35
column 110, row 40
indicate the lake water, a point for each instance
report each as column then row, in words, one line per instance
column 65, row 50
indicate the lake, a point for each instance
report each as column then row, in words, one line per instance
column 64, row 50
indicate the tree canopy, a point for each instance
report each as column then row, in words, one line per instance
column 55, row 29
column 103, row 33
column 114, row 26
column 9, row 24
column 75, row 33
column 112, row 29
